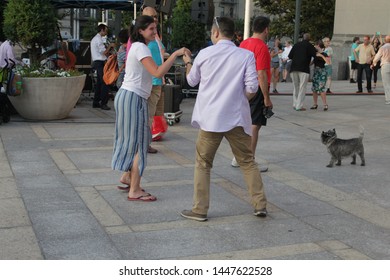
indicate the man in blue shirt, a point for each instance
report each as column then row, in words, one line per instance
column 156, row 99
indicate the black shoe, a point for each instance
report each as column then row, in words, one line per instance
column 96, row 105
column 359, row 91
column 352, row 81
column 283, row 81
column 370, row 91
column 105, row 107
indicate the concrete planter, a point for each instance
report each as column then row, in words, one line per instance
column 48, row 98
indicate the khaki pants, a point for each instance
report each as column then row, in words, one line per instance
column 206, row 148
column 299, row 80
column 155, row 103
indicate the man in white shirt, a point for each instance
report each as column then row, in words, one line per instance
column 99, row 54
column 227, row 78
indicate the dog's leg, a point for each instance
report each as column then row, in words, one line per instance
column 353, row 159
column 361, row 155
column 332, row 160
column 338, row 162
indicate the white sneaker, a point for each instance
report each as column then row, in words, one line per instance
column 234, row 162
column 387, row 102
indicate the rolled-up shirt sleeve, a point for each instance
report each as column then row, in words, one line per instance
column 193, row 78
column 250, row 79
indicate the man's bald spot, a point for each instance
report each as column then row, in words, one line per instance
column 149, row 11
column 387, row 39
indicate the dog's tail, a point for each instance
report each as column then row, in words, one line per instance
column 361, row 130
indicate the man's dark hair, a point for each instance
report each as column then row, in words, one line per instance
column 101, row 27
column 260, row 24
column 306, row 37
column 320, row 43
column 123, row 36
column 225, row 26
column 141, row 23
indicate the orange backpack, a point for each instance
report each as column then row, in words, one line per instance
column 110, row 70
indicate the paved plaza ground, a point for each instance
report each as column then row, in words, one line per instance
column 58, row 195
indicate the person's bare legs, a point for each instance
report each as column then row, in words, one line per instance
column 126, row 178
column 135, row 182
column 323, row 97
column 315, row 100
column 255, row 138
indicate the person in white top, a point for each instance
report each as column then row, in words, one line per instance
column 227, row 78
column 328, row 65
column 383, row 55
column 99, row 54
column 132, row 130
column 286, row 62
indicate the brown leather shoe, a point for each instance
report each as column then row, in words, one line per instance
column 152, row 150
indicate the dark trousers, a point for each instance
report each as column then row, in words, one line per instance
column 368, row 71
column 101, row 89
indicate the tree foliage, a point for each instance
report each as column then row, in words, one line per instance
column 185, row 31
column 317, row 17
column 33, row 23
column 2, row 6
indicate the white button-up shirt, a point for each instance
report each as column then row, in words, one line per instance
column 383, row 55
column 6, row 53
column 225, row 73
column 98, row 48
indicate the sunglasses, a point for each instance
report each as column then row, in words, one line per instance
column 216, row 21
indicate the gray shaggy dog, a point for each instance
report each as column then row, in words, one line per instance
column 341, row 148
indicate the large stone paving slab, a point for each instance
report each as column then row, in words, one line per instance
column 171, row 201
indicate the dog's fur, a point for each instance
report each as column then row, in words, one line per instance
column 340, row 148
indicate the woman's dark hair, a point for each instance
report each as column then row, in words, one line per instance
column 141, row 23
column 123, row 36
column 355, row 39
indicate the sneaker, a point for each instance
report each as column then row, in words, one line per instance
column 261, row 213
column 105, row 107
column 188, row 214
column 234, row 162
column 387, row 102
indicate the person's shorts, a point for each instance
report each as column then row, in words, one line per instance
column 257, row 107
column 354, row 65
column 328, row 69
column 274, row 64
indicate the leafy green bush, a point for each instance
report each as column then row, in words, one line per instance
column 33, row 23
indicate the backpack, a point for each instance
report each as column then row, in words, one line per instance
column 13, row 84
column 110, row 70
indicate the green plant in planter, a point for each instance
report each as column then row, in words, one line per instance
column 33, row 23
column 40, row 72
